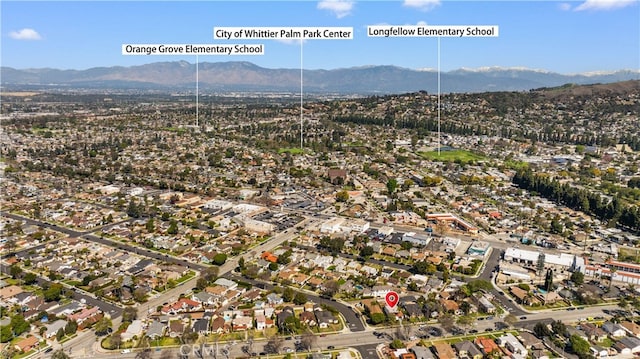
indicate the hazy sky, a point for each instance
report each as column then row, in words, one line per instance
column 566, row 37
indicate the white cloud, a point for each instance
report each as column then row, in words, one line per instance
column 422, row 23
column 603, row 4
column 564, row 6
column 340, row 8
column 424, row 5
column 25, row 34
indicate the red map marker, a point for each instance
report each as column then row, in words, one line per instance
column 392, row 299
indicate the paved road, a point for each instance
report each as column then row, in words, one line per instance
column 365, row 339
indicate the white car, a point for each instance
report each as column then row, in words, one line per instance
column 125, row 351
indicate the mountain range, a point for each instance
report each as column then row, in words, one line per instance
column 245, row 76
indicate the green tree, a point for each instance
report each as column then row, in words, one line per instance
column 556, row 226
column 71, row 327
column 133, row 210
column 103, row 326
column 19, row 325
column 331, row 287
column 377, row 318
column 342, row 196
column 291, row 325
column 139, row 295
column 202, row 283
column 559, row 328
column 396, row 344
column 150, row 226
column 333, row 245
column 366, row 252
column 219, row 259
column 173, row 227
column 300, row 298
column 541, row 330
column 577, row 278
column 210, row 273
column 60, row 334
column 548, row 281
column 285, row 258
column 392, row 185
column 29, row 278
column 53, row 293
column 60, row 354
column 420, row 267
column 6, row 334
column 288, row 294
column 15, row 271
column 579, row 345
column 129, row 314
column 540, row 264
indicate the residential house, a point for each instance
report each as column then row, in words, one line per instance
column 406, row 356
column 571, row 331
column 283, row 315
column 218, row 325
column 521, row 295
column 242, row 323
column 421, row 352
column 530, row 341
column 412, row 310
column 22, row 299
column 84, row 314
column 9, row 292
column 325, row 318
column 632, row 328
column 52, row 328
column 487, row 345
column 593, row 332
column 450, row 306
column 207, row 299
column 274, row 299
column 599, row 352
column 631, row 343
column 518, row 351
column 621, row 348
column 201, row 326
column 156, row 329
column 467, row 349
column 26, row 344
column 613, row 329
column 261, row 322
column 539, row 354
column 444, row 351
column 229, row 284
column 133, row 330
column 308, row 319
column 486, row 306
column 176, row 328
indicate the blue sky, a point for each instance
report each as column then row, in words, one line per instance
column 561, row 36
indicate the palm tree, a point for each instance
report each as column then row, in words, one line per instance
column 612, row 272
